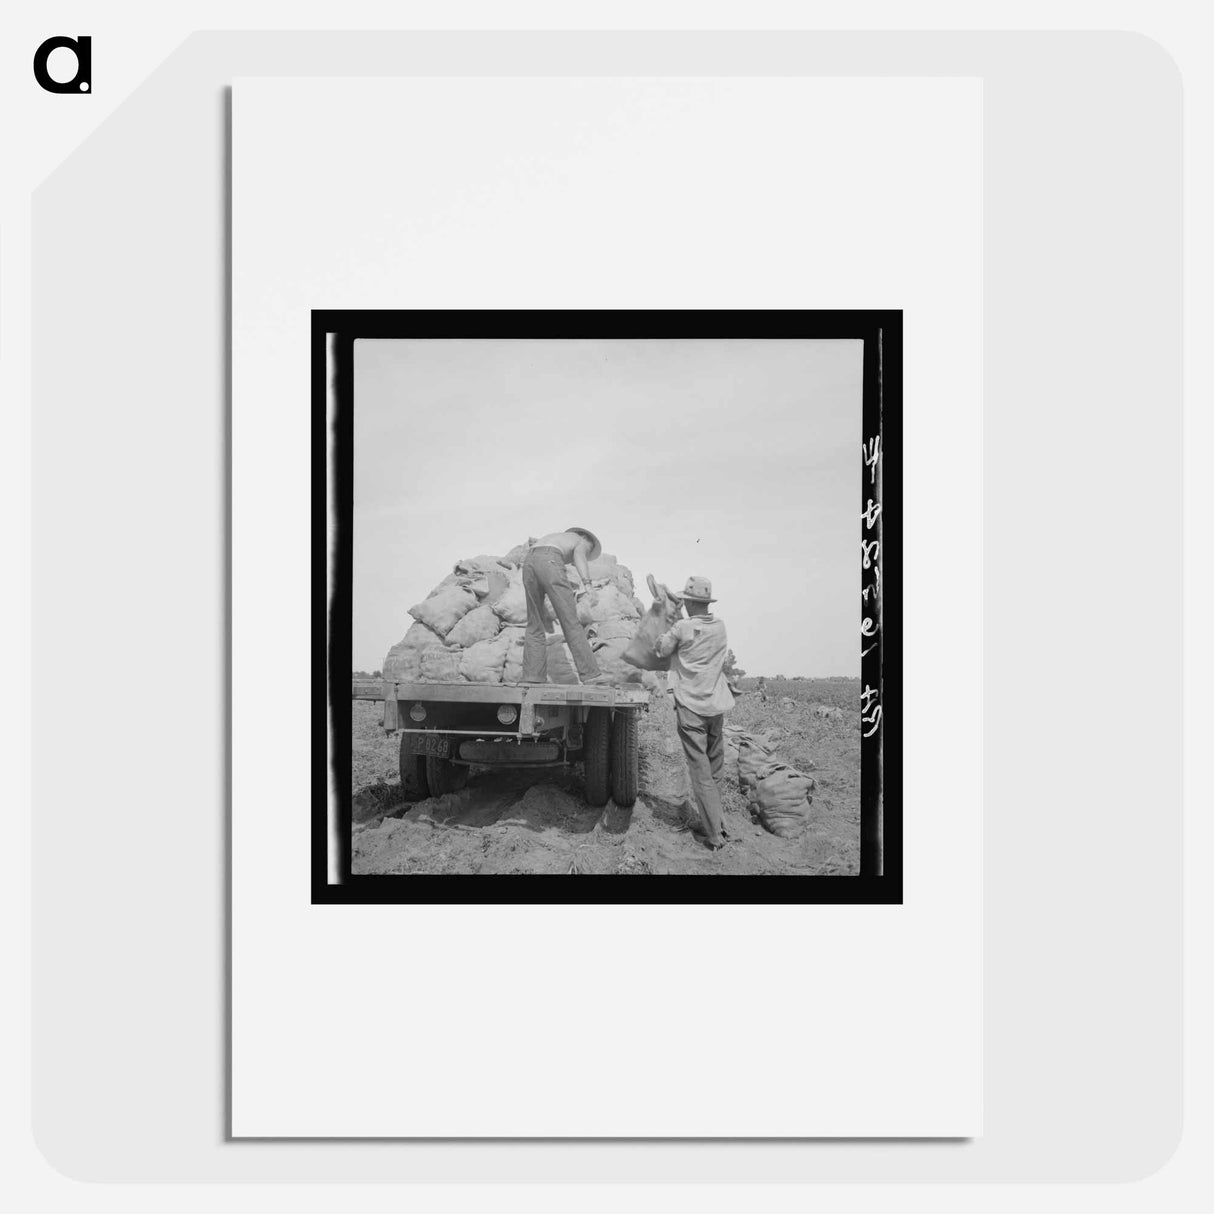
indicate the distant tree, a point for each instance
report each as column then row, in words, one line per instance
column 379, row 674
column 733, row 671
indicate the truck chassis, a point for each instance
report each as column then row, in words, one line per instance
column 447, row 728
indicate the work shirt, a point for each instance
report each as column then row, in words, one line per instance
column 697, row 676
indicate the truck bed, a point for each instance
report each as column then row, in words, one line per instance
column 503, row 693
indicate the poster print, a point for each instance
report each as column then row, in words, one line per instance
column 591, row 580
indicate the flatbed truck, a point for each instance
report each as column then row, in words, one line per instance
column 445, row 729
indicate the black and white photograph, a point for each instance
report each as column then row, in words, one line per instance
column 612, row 600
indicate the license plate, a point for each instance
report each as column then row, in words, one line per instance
column 439, row 746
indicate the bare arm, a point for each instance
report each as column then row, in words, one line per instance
column 580, row 563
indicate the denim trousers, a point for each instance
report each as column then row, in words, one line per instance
column 544, row 576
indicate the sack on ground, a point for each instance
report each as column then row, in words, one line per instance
column 781, row 800
column 442, row 611
column 403, row 663
column 480, row 624
column 483, row 662
column 753, row 760
column 733, row 741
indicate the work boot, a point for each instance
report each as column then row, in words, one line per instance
column 599, row 680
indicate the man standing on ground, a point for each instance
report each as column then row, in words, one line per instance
column 544, row 576
column 697, row 646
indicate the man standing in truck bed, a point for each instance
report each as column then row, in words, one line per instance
column 544, row 576
column 701, row 698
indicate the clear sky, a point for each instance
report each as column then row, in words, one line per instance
column 736, row 460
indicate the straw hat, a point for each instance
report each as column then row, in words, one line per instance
column 595, row 546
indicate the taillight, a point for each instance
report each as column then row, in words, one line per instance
column 417, row 712
column 507, row 714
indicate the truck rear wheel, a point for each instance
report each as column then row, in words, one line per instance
column 594, row 759
column 625, row 764
column 443, row 776
column 413, row 781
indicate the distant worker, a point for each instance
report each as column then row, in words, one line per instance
column 544, row 576
column 697, row 647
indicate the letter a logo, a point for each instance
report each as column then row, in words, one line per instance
column 82, row 48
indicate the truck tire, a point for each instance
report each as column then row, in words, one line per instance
column 625, row 764
column 595, row 756
column 413, row 781
column 443, row 776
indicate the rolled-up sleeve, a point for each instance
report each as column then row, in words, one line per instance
column 667, row 643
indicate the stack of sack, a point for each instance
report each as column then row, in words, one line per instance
column 470, row 627
column 778, row 795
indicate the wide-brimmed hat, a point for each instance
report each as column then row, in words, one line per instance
column 595, row 546
column 698, row 590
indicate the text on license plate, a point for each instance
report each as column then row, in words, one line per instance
column 433, row 746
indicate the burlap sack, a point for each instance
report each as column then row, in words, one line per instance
column 781, row 800
column 403, row 663
column 660, row 617
column 498, row 582
column 622, row 578
column 606, row 570
column 483, row 662
column 443, row 610
column 511, row 608
column 452, row 579
column 603, row 566
column 512, row 670
column 517, row 555
column 611, row 630
column 753, row 760
column 560, row 661
column 478, row 565
column 480, row 624
column 606, row 603
column 440, row 665
column 610, row 657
